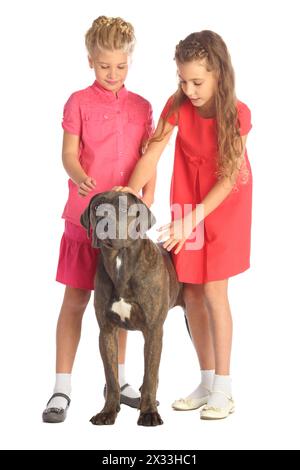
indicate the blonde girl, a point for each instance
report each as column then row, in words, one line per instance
column 106, row 128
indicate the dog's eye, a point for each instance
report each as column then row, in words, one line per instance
column 138, row 213
column 96, row 207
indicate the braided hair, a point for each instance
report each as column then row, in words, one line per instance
column 110, row 34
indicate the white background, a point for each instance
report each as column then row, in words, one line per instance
column 43, row 60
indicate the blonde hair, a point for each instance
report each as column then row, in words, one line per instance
column 110, row 33
column 210, row 46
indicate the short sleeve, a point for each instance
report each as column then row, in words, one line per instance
column 172, row 118
column 71, row 116
column 244, row 115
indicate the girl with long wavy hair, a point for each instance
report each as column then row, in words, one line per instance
column 212, row 177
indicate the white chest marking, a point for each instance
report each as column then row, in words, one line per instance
column 122, row 308
column 119, row 262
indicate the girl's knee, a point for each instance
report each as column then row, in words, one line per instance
column 192, row 293
column 215, row 292
column 77, row 298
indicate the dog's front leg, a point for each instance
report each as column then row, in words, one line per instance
column 149, row 415
column 108, row 342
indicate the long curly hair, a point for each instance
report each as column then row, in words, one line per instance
column 210, row 47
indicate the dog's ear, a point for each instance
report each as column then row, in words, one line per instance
column 147, row 218
column 85, row 218
column 96, row 243
column 151, row 218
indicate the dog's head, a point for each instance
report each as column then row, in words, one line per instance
column 117, row 219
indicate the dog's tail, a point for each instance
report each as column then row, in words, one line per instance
column 187, row 325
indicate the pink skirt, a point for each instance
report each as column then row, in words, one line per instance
column 77, row 258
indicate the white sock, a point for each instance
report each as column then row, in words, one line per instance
column 62, row 385
column 222, row 383
column 207, row 377
column 128, row 391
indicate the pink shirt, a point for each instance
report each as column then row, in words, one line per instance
column 112, row 130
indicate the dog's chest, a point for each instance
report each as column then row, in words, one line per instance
column 122, row 308
column 118, row 264
column 126, row 313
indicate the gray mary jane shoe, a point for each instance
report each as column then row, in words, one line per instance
column 125, row 400
column 56, row 415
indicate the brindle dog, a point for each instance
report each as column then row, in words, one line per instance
column 135, row 286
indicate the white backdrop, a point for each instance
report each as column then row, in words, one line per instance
column 43, row 60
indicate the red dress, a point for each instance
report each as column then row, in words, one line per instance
column 226, row 230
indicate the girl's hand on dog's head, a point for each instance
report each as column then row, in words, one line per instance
column 126, row 189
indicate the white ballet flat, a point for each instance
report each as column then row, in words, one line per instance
column 186, row 404
column 212, row 412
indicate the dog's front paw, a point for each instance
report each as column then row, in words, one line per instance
column 104, row 418
column 150, row 419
